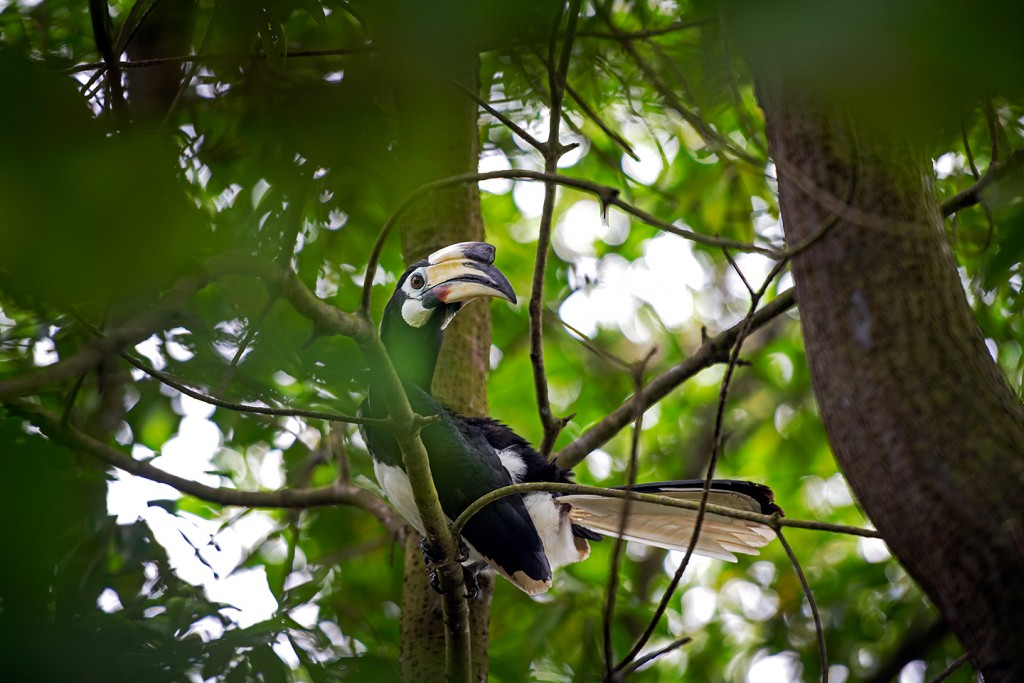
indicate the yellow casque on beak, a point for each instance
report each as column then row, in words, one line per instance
column 461, row 280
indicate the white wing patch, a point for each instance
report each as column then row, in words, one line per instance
column 395, row 483
column 513, row 464
column 551, row 518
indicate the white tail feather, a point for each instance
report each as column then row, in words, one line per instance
column 671, row 528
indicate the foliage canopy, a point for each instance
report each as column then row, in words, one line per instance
column 280, row 149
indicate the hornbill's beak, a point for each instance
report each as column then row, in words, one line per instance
column 465, row 271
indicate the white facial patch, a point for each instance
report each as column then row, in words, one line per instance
column 415, row 313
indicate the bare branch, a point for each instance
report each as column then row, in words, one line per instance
column 591, row 346
column 996, row 172
column 714, row 350
column 254, row 325
column 552, row 151
column 337, row 494
column 596, row 118
column 650, row 657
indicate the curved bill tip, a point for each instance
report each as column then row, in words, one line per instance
column 465, row 280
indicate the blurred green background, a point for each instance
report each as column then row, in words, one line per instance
column 113, row 189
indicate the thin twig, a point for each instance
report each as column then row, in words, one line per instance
column 172, row 382
column 596, row 118
column 250, row 334
column 620, row 539
column 818, row 630
column 951, row 669
column 736, row 269
column 244, row 407
column 124, row 41
column 483, row 104
column 649, row 33
column 192, row 71
column 589, row 344
column 220, row 56
column 651, row 656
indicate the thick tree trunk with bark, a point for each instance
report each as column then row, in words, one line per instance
column 439, row 137
column 922, row 422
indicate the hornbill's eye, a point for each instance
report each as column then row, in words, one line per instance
column 417, row 281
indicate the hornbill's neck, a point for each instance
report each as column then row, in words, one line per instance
column 414, row 350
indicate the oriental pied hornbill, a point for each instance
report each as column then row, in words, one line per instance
column 524, row 537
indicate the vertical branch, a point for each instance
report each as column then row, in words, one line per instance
column 101, row 30
column 552, row 151
column 405, row 428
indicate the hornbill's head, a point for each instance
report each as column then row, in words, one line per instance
column 427, row 297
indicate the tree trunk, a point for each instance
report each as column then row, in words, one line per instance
column 439, row 137
column 922, row 422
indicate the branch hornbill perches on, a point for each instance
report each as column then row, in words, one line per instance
column 522, row 537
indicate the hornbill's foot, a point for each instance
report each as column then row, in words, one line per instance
column 432, row 559
column 469, row 578
column 435, row 582
column 429, row 557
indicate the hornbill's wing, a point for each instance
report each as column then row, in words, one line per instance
column 465, row 467
column 525, row 464
column 672, row 528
